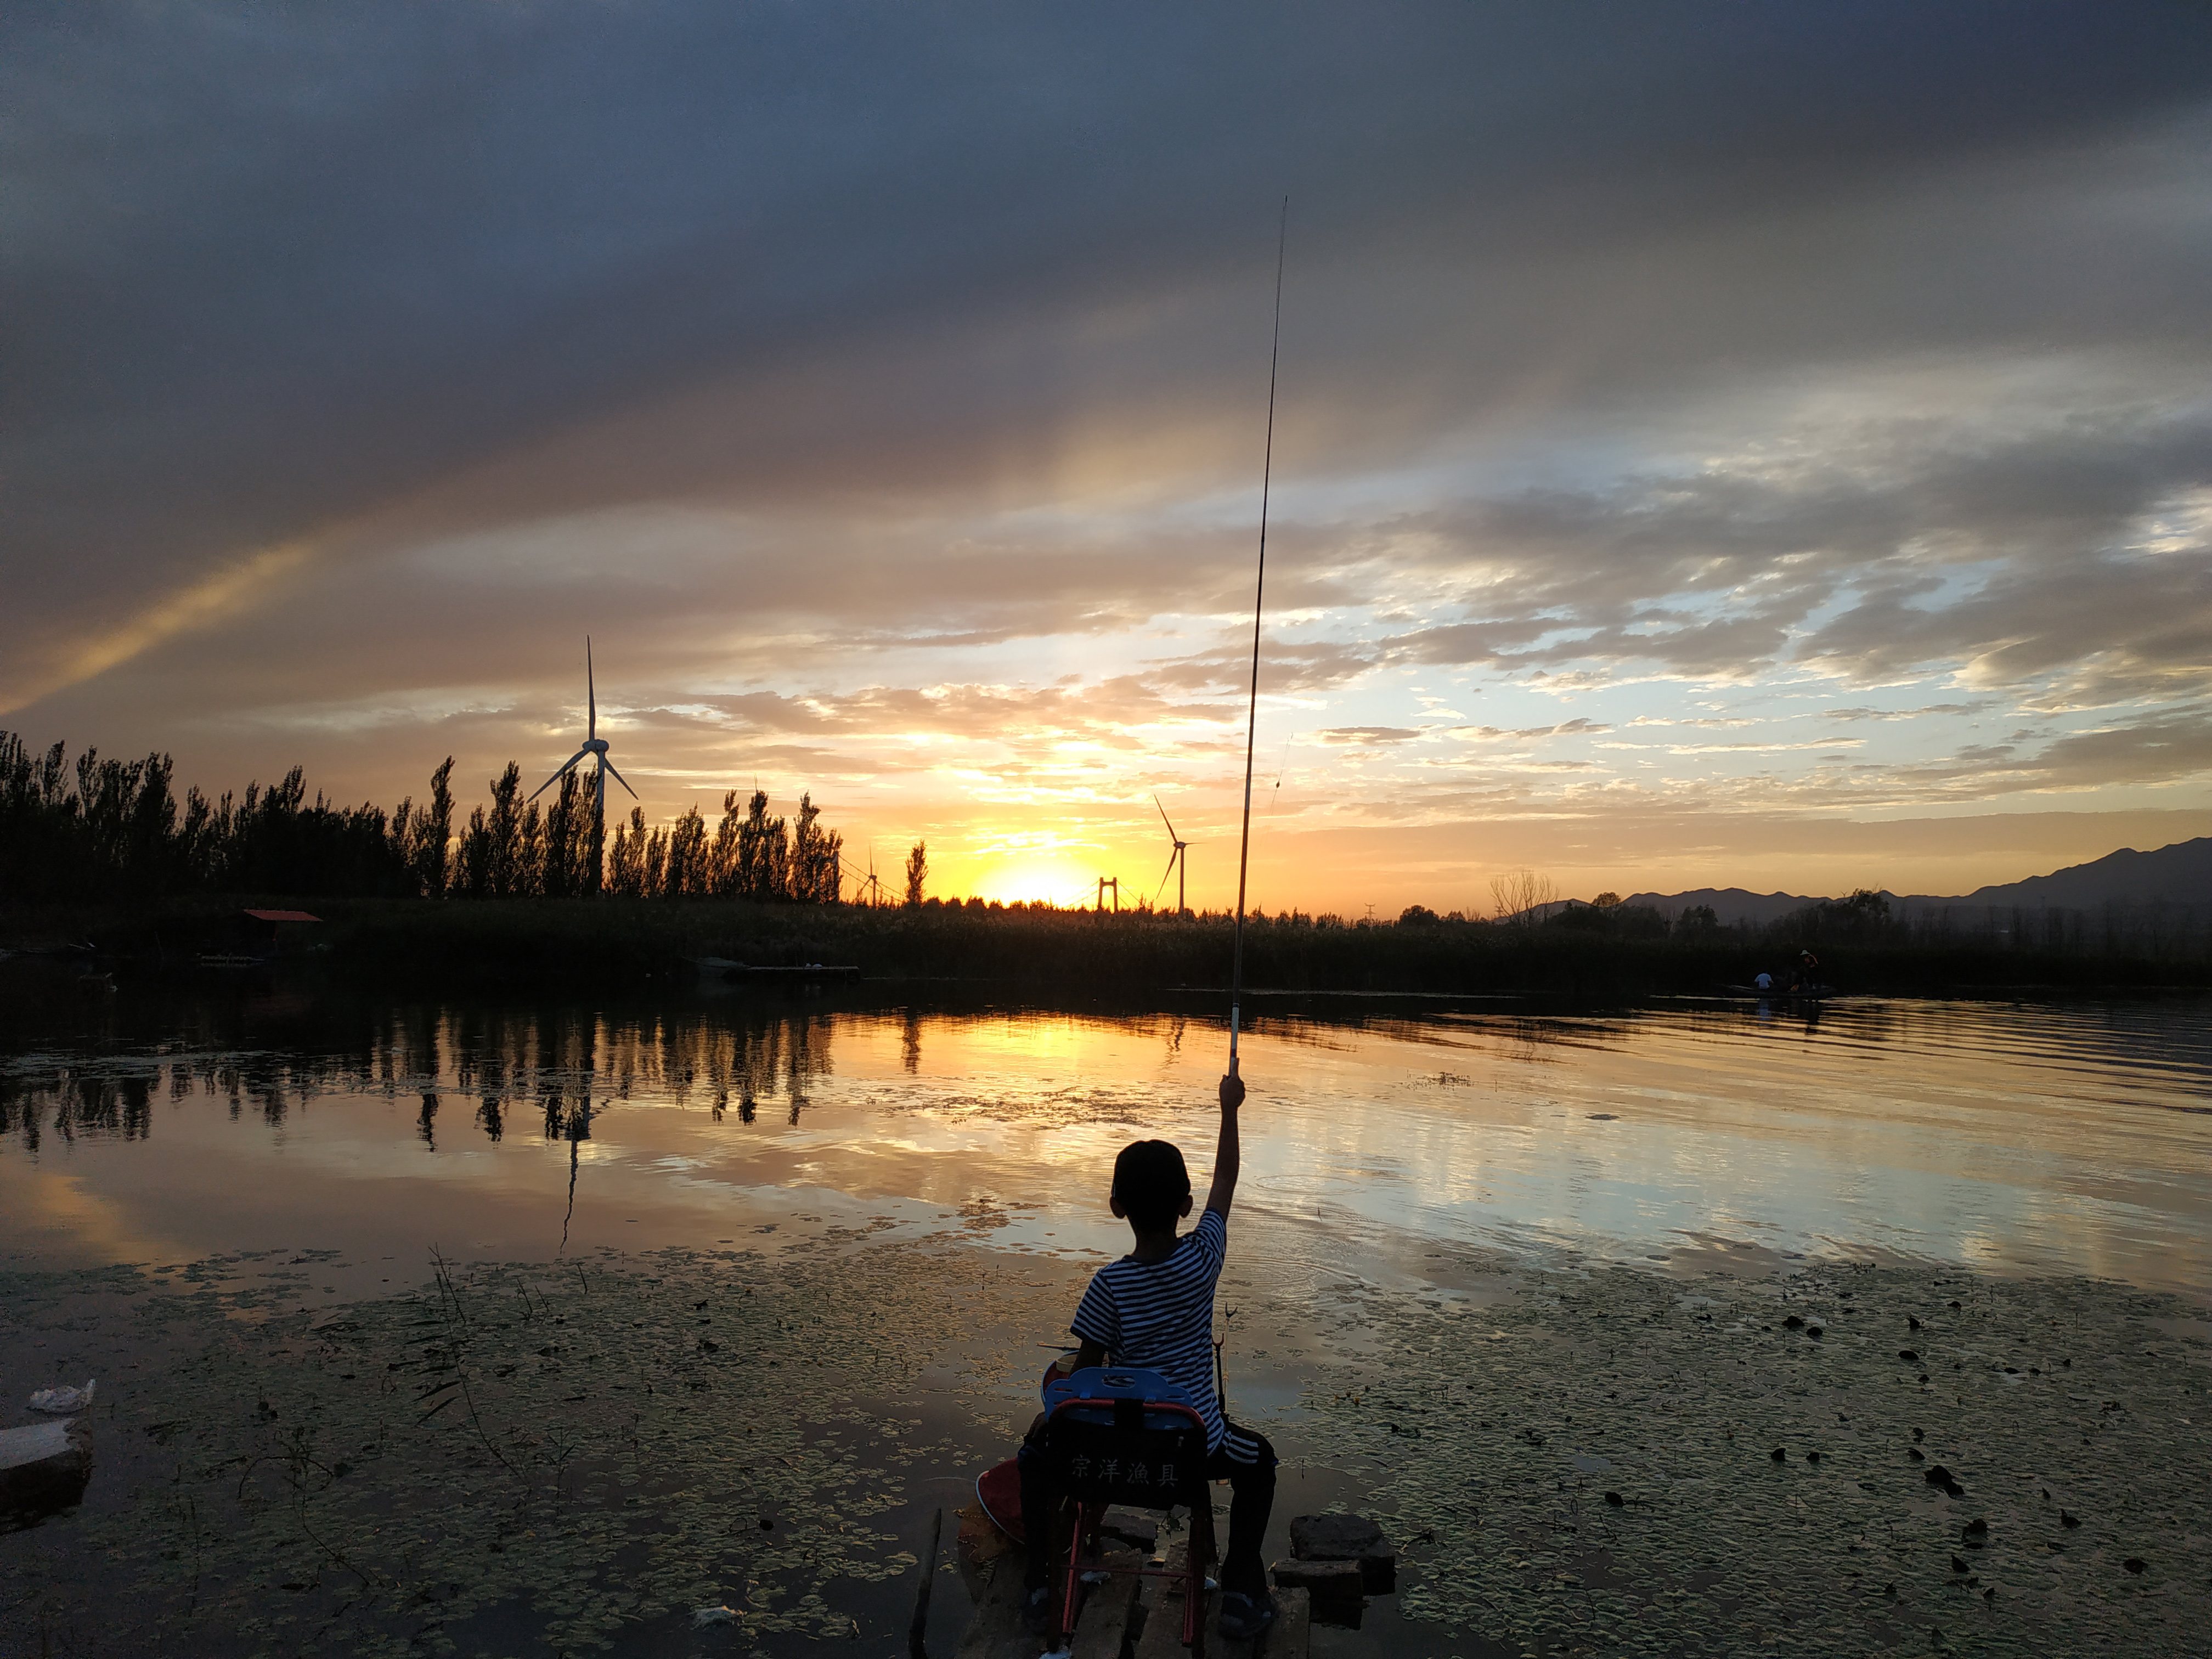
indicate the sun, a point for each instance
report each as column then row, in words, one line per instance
column 1056, row 881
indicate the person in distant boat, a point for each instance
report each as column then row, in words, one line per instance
column 1763, row 980
column 1154, row 1309
column 1807, row 976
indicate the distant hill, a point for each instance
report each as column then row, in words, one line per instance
column 1732, row 905
column 2178, row 875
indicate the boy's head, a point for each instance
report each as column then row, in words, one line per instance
column 1152, row 1188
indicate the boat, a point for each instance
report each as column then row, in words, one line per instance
column 1803, row 994
column 724, row 968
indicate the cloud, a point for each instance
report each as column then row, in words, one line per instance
column 884, row 390
column 66, row 661
column 1370, row 737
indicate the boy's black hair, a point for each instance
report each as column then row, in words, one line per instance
column 1151, row 1183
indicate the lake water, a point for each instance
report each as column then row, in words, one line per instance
column 2015, row 1138
column 744, row 1292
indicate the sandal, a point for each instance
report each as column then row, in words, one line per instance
column 1037, row 1610
column 1244, row 1616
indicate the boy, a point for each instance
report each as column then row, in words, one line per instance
column 1154, row 1309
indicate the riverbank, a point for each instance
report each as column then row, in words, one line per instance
column 1571, row 1461
column 612, row 942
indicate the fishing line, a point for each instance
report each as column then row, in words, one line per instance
column 1258, row 593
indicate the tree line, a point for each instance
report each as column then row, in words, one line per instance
column 748, row 855
column 100, row 828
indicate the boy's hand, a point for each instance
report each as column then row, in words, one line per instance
column 1227, row 1153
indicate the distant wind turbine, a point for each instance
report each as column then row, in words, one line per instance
column 1178, row 862
column 595, row 748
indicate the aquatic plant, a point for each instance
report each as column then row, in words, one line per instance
column 1616, row 1462
column 565, row 1450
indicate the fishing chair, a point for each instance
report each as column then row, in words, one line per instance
column 1115, row 1434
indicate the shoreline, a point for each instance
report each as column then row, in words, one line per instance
column 598, row 944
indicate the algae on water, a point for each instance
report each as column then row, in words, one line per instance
column 1613, row 1462
column 559, row 1457
column 568, row 1450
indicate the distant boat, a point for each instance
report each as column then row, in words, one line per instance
column 1803, row 994
column 724, row 968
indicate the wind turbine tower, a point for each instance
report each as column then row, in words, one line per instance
column 594, row 750
column 1178, row 862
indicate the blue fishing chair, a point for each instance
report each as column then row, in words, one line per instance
column 1117, row 1435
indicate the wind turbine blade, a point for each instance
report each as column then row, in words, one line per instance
column 558, row 776
column 1165, row 874
column 591, row 693
column 1164, row 819
column 619, row 778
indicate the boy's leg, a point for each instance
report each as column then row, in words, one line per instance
column 1247, row 1461
column 1040, row 1501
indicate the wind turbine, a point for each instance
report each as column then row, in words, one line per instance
column 1178, row 861
column 595, row 748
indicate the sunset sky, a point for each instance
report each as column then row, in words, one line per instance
column 1755, row 445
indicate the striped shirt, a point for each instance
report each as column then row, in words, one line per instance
column 1159, row 1315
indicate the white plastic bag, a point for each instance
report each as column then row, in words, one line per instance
column 58, row 1401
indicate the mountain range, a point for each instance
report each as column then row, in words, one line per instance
column 2180, row 875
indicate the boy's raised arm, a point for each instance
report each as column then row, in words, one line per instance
column 1226, row 1154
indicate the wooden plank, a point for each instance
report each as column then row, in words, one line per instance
column 1291, row 1634
column 1103, row 1626
column 1163, row 1637
column 997, row 1632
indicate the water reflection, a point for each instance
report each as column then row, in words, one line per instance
column 2069, row 1137
column 507, row 1059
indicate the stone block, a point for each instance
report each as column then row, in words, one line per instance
column 42, row 1468
column 1337, row 1588
column 1347, row 1537
column 1140, row 1532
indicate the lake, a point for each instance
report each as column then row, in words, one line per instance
column 2009, row 1137
column 281, row 1153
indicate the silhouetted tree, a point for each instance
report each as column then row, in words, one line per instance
column 626, row 859
column 506, row 854
column 473, row 864
column 917, row 871
column 100, row 827
column 763, row 858
column 434, row 833
column 725, row 874
column 815, row 853
column 565, row 842
column 684, row 873
column 1522, row 896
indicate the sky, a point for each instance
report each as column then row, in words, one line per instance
column 1714, row 444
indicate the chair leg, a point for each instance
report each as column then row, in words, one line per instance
column 1198, row 1557
column 1087, row 1518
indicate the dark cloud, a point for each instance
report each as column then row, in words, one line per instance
column 2016, row 555
column 881, row 385
column 269, row 269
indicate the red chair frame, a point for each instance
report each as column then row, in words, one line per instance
column 1090, row 1513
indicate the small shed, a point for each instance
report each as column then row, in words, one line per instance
column 267, row 932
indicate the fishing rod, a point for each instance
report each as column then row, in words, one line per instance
column 1259, row 594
